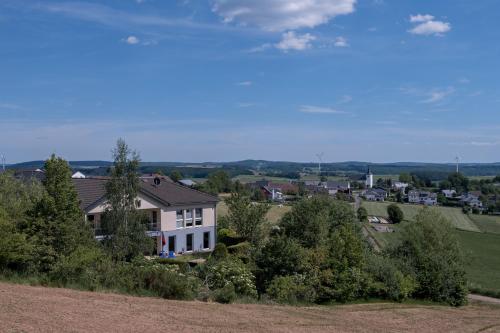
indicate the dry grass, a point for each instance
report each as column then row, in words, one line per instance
column 38, row 309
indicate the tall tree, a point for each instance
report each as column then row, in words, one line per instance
column 245, row 217
column 122, row 224
column 58, row 227
column 429, row 250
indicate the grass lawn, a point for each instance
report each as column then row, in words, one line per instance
column 273, row 216
column 455, row 215
column 483, row 254
column 487, row 223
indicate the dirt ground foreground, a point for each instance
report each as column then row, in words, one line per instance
column 38, row 309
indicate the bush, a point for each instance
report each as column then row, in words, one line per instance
column 219, row 252
column 291, row 290
column 390, row 282
column 221, row 273
column 183, row 266
column 362, row 214
column 228, row 237
column 395, row 213
column 241, row 251
column 82, row 268
column 429, row 250
column 226, row 294
column 15, row 250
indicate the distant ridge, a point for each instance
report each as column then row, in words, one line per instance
column 194, row 169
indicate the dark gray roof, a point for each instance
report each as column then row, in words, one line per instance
column 92, row 190
column 89, row 190
column 173, row 194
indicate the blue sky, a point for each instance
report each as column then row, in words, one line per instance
column 222, row 80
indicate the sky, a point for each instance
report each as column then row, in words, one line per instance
column 226, row 80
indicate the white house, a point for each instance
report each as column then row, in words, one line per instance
column 186, row 218
column 375, row 194
column 78, row 175
column 400, row 186
column 422, row 197
column 449, row 193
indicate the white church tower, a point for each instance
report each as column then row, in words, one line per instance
column 369, row 179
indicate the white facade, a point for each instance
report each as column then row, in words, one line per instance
column 183, row 229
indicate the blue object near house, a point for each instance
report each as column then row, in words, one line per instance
column 171, row 254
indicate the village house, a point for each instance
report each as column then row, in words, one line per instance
column 182, row 220
column 449, row 193
column 471, row 199
column 422, row 197
column 400, row 186
column 275, row 191
column 374, row 194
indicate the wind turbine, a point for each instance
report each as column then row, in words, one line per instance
column 2, row 157
column 457, row 160
column 320, row 160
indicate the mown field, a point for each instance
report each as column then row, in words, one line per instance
column 455, row 215
column 40, row 309
column 478, row 234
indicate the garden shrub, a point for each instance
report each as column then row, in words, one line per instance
column 231, row 270
column 226, row 294
column 291, row 290
column 219, row 252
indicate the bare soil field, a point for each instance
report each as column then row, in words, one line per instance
column 38, row 309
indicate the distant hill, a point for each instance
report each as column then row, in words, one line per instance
column 284, row 168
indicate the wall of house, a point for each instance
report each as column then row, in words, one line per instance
column 181, row 239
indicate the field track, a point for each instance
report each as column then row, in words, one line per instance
column 39, row 309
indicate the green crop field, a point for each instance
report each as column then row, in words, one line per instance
column 455, row 215
column 483, row 259
column 487, row 223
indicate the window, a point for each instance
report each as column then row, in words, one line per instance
column 171, row 244
column 189, row 242
column 206, row 240
column 180, row 219
column 138, row 203
column 154, row 217
column 90, row 218
column 189, row 217
column 198, row 216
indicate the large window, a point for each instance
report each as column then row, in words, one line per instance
column 189, row 242
column 198, row 216
column 180, row 219
column 206, row 240
column 189, row 217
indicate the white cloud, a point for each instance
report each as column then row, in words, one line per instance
column 345, row 99
column 464, row 80
column 428, row 26
column 132, row 40
column 245, row 83
column 421, row 18
column 319, row 109
column 260, row 48
column 292, row 41
column 281, row 15
column 245, row 105
column 438, row 95
column 341, row 42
